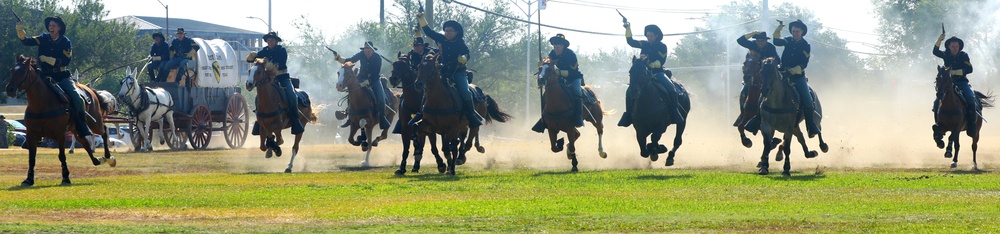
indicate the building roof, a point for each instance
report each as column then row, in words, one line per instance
column 158, row 23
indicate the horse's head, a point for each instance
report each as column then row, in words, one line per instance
column 943, row 81
column 752, row 65
column 428, row 70
column 402, row 73
column 24, row 70
column 128, row 85
column 639, row 69
column 347, row 77
column 547, row 72
column 261, row 73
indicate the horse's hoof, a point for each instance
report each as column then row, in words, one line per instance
column 415, row 170
column 451, row 173
column 644, row 153
column 762, row 171
column 603, row 154
column 954, row 165
column 400, row 172
column 460, row 160
column 661, row 149
column 267, row 154
column 112, row 162
column 364, row 148
column 288, row 170
column 574, row 170
column 364, row 164
column 375, row 144
column 481, row 149
column 65, row 183
column 747, row 142
column 670, row 161
column 27, row 183
column 824, row 147
column 442, row 169
column 277, row 151
column 786, row 174
column 780, row 156
column 812, row 154
column 947, row 154
column 654, row 156
column 940, row 143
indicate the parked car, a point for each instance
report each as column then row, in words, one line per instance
column 18, row 126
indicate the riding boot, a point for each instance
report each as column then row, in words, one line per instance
column 293, row 118
column 811, row 126
column 256, row 129
column 578, row 112
column 399, row 127
column 383, row 122
column 970, row 123
column 629, row 103
column 470, row 113
column 80, row 120
column 753, row 125
column 539, row 126
column 673, row 109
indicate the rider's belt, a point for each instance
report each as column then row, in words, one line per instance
column 281, row 72
column 958, row 72
column 794, row 72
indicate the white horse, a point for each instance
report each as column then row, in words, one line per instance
column 147, row 104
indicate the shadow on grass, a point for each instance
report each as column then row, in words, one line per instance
column 968, row 172
column 663, row 177
column 796, row 176
column 437, row 177
column 36, row 186
column 548, row 173
column 362, row 168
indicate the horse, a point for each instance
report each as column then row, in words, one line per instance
column 109, row 104
column 411, row 101
column 749, row 101
column 558, row 114
column 484, row 103
column 780, row 112
column 650, row 116
column 442, row 112
column 951, row 117
column 360, row 114
column 271, row 106
column 46, row 116
column 147, row 105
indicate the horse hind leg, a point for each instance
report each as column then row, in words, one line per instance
column 975, row 147
column 107, row 152
column 805, row 148
column 295, row 151
column 955, row 137
column 406, row 154
column 948, row 148
column 573, row 135
column 62, row 163
column 678, row 140
column 556, row 145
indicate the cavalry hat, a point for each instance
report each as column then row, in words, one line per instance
column 761, row 36
column 272, row 35
column 559, row 39
column 798, row 24
column 158, row 34
column 181, row 31
column 455, row 25
column 654, row 29
column 59, row 21
column 961, row 44
column 419, row 41
column 369, row 44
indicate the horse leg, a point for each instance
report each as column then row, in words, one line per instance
column 805, row 147
column 743, row 136
column 464, row 144
column 62, row 161
column 144, row 130
column 654, row 147
column 955, row 137
column 406, row 153
column 31, row 142
column 169, row 116
column 640, row 137
column 769, row 144
column 350, row 136
column 947, row 149
column 367, row 148
column 295, row 151
column 107, row 153
column 479, row 148
column 600, row 137
column 556, row 145
column 975, row 147
column 822, row 144
column 441, row 165
column 90, row 152
column 573, row 135
column 678, row 139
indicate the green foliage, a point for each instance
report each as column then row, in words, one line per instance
column 98, row 45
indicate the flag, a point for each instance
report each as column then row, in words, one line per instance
column 542, row 4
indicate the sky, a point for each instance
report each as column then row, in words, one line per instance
column 854, row 18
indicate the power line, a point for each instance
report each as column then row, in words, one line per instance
column 605, row 6
column 592, row 32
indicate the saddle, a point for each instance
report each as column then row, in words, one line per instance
column 588, row 97
column 302, row 96
column 62, row 96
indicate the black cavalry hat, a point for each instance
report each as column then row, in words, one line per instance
column 272, row 35
column 798, row 24
column 761, row 36
column 559, row 39
column 160, row 35
column 369, row 44
column 961, row 44
column 59, row 21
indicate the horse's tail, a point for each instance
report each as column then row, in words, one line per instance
column 986, row 100
column 105, row 104
column 494, row 111
column 313, row 116
column 599, row 103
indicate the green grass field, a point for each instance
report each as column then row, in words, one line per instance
column 217, row 191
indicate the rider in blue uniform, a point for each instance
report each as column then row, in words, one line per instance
column 763, row 49
column 420, row 49
column 569, row 69
column 55, row 53
column 277, row 55
column 157, row 53
column 454, row 55
column 184, row 49
column 794, row 60
column 655, row 53
column 371, row 65
column 960, row 65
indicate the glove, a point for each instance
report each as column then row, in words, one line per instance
column 940, row 39
column 156, row 58
column 752, row 34
column 564, row 73
column 47, row 59
column 340, row 59
column 364, row 83
column 957, row 72
column 797, row 70
column 777, row 31
column 20, row 31
column 420, row 18
column 462, row 59
column 655, row 64
column 251, row 57
column 628, row 29
column 190, row 54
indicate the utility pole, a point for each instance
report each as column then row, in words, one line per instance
column 269, row 29
column 429, row 8
column 765, row 14
column 381, row 12
column 166, row 30
column 527, row 58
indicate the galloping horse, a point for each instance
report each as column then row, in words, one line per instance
column 361, row 101
column 780, row 112
column 442, row 112
column 148, row 105
column 46, row 116
column 749, row 101
column 650, row 116
column 558, row 115
column 271, row 106
column 951, row 117
column 411, row 100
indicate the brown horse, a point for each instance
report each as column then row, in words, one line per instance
column 402, row 75
column 360, row 101
column 780, row 112
column 951, row 117
column 46, row 116
column 493, row 112
column 271, row 106
column 558, row 113
column 442, row 113
column 749, row 101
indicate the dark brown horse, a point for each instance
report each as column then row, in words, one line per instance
column 47, row 116
column 558, row 114
column 749, row 101
column 405, row 77
column 360, row 101
column 442, row 113
column 951, row 117
column 271, row 106
column 650, row 116
column 780, row 112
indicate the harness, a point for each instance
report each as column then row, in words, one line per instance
column 144, row 102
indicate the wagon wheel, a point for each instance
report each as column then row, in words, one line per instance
column 237, row 121
column 200, row 129
column 168, row 136
column 137, row 138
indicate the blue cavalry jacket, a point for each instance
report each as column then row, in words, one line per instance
column 61, row 49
